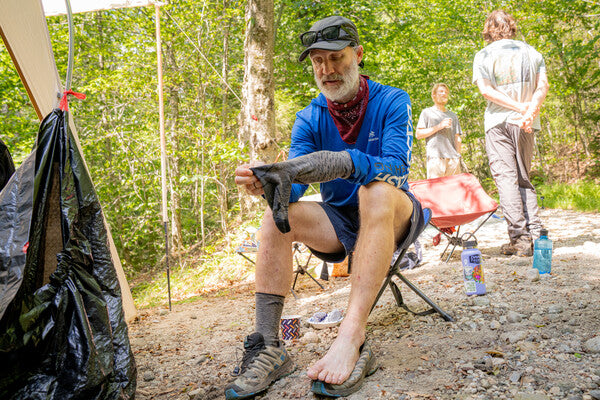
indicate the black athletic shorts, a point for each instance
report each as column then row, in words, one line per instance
column 345, row 221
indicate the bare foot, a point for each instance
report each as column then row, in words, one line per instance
column 337, row 365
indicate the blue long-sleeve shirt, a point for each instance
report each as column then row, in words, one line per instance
column 382, row 152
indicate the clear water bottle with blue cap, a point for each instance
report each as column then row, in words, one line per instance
column 542, row 253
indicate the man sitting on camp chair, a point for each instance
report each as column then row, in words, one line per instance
column 362, row 156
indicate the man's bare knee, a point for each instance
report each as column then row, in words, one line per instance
column 378, row 200
column 308, row 223
column 381, row 202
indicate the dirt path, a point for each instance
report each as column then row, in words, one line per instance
column 524, row 340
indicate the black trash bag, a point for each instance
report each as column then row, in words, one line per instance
column 7, row 167
column 62, row 334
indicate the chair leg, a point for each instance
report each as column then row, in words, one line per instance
column 295, row 279
column 444, row 252
column 397, row 295
column 324, row 272
column 400, row 301
column 302, row 269
column 385, row 284
column 451, row 252
column 313, row 278
column 422, row 295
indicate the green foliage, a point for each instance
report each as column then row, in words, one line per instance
column 581, row 196
column 19, row 123
column 115, row 65
column 413, row 45
column 408, row 44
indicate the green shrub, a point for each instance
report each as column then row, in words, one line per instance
column 580, row 196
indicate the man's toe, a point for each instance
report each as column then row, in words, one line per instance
column 323, row 376
column 340, row 378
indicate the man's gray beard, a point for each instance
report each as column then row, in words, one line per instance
column 349, row 87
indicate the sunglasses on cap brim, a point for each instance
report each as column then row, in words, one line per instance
column 328, row 34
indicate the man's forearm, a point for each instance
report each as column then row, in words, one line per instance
column 538, row 98
column 422, row 133
column 497, row 97
column 502, row 100
column 458, row 143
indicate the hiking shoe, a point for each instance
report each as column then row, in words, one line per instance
column 365, row 366
column 508, row 249
column 522, row 247
column 261, row 366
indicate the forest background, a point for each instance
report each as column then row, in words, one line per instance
column 408, row 44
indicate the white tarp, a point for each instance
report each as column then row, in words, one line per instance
column 23, row 28
column 25, row 33
column 58, row 7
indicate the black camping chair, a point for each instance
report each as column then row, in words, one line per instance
column 250, row 246
column 395, row 271
column 302, row 267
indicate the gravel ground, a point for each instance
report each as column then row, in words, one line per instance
column 531, row 337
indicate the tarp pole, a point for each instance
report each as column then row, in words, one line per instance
column 71, row 47
column 163, row 147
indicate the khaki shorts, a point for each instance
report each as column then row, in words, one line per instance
column 437, row 167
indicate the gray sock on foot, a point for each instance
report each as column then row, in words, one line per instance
column 268, row 316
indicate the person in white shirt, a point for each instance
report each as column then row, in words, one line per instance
column 511, row 75
column 441, row 130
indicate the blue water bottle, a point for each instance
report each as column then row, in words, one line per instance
column 542, row 253
column 472, row 270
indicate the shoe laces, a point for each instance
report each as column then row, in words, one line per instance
column 252, row 346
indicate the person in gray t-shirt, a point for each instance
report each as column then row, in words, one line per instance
column 441, row 130
column 511, row 75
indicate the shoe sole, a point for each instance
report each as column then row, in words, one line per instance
column 285, row 370
column 326, row 389
column 524, row 253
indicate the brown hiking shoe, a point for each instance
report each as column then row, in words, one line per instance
column 522, row 247
column 508, row 249
column 261, row 366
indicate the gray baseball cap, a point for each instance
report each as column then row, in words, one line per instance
column 332, row 33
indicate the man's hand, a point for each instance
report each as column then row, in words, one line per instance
column 277, row 179
column 528, row 117
column 245, row 177
column 446, row 123
column 523, row 108
column 527, row 125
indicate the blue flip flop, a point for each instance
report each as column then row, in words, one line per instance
column 365, row 366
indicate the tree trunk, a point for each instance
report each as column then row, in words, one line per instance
column 257, row 127
column 257, row 117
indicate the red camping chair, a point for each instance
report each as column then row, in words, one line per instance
column 454, row 200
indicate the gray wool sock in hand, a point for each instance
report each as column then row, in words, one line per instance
column 277, row 179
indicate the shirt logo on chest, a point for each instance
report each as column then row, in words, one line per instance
column 372, row 137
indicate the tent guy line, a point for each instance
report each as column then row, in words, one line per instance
column 203, row 56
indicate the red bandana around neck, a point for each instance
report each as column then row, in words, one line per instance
column 348, row 117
